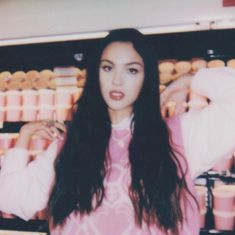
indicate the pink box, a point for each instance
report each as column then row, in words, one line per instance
column 46, row 113
column 224, row 198
column 224, row 220
column 46, row 97
column 201, row 196
column 63, row 96
column 2, row 99
column 6, row 141
column 63, row 113
column 13, row 114
column 2, row 114
column 76, row 93
column 8, row 216
column 29, row 113
column 29, row 97
column 13, row 98
column 203, row 218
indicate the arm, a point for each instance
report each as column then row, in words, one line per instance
column 174, row 97
column 25, row 187
column 209, row 133
column 188, row 204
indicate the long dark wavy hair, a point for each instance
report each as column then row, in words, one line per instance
column 157, row 179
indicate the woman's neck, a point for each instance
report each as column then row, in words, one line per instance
column 117, row 117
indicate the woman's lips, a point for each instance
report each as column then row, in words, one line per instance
column 116, row 95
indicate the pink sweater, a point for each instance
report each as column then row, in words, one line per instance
column 25, row 188
column 116, row 214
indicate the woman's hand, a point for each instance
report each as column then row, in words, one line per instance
column 174, row 97
column 197, row 101
column 49, row 130
column 178, row 97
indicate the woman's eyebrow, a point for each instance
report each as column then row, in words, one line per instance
column 138, row 63
column 131, row 63
column 105, row 60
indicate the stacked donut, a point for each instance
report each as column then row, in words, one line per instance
column 171, row 71
column 34, row 95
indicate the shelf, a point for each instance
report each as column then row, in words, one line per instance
column 211, row 177
column 11, row 127
column 213, row 231
column 42, row 226
column 21, row 225
column 14, row 127
column 186, row 46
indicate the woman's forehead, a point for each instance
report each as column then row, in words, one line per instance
column 121, row 51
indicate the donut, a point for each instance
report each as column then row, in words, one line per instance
column 19, row 76
column 231, row 63
column 166, row 67
column 215, row 63
column 165, row 78
column 47, row 74
column 182, row 67
column 33, row 75
column 5, row 76
column 198, row 64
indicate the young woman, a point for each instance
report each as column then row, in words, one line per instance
column 121, row 169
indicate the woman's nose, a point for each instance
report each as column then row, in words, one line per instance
column 117, row 78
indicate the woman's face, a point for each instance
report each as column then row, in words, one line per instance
column 121, row 76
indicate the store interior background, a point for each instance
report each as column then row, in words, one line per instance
column 45, row 34
column 29, row 19
column 51, row 29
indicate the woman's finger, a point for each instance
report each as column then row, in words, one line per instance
column 60, row 126
column 44, row 134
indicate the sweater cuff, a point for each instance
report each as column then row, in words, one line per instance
column 201, row 82
column 215, row 83
column 15, row 158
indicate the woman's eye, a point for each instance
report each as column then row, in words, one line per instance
column 106, row 68
column 133, row 71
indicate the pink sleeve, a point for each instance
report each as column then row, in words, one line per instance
column 25, row 187
column 189, row 206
